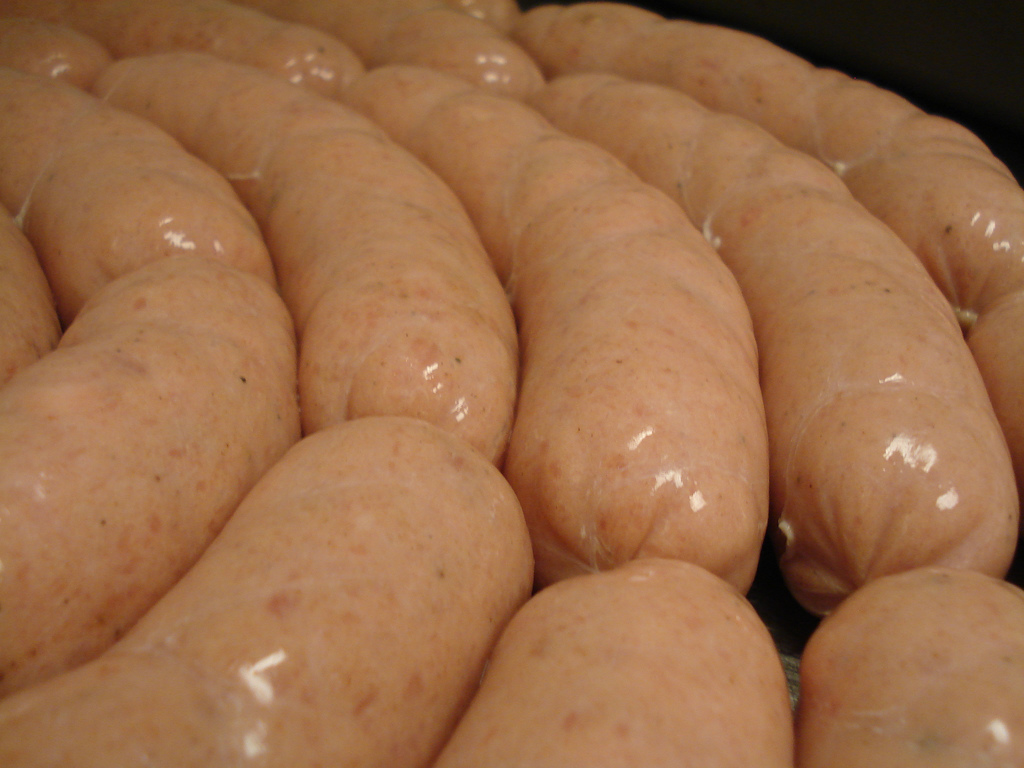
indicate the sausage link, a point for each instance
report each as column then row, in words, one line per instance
column 29, row 327
column 500, row 14
column 640, row 426
column 885, row 451
column 343, row 617
column 51, row 50
column 124, row 450
column 433, row 33
column 395, row 301
column 304, row 56
column 917, row 669
column 656, row 664
column 100, row 192
column 931, row 180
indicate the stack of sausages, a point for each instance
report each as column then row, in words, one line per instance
column 425, row 383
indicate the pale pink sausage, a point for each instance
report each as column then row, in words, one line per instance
column 500, row 14
column 304, row 56
column 916, row 670
column 931, row 180
column 459, row 44
column 656, row 663
column 99, row 192
column 433, row 33
column 29, row 327
column 51, row 50
column 640, row 427
column 124, row 450
column 395, row 301
column 885, row 451
column 343, row 617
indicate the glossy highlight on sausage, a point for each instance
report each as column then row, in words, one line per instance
column 124, row 451
column 395, row 301
column 343, row 617
column 931, row 180
column 460, row 37
column 918, row 669
column 52, row 50
column 100, row 192
column 302, row 55
column 500, row 14
column 640, row 427
column 885, row 452
column 656, row 663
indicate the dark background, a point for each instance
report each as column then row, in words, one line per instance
column 962, row 60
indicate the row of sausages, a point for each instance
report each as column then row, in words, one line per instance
column 670, row 331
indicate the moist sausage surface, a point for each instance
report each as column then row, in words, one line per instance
column 29, row 327
column 396, row 304
column 924, row 668
column 124, row 451
column 640, row 426
column 302, row 55
column 885, row 451
column 100, row 192
column 51, row 50
column 656, row 663
column 931, row 180
column 342, row 617
column 444, row 34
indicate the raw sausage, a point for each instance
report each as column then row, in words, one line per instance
column 885, row 452
column 51, row 50
column 919, row 669
column 929, row 179
column 431, row 33
column 655, row 664
column 396, row 304
column 640, row 426
column 100, row 192
column 342, row 617
column 124, row 450
column 458, row 44
column 29, row 327
column 302, row 55
column 500, row 14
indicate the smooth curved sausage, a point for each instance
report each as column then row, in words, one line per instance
column 29, row 327
column 99, row 192
column 124, row 450
column 917, row 669
column 302, row 55
column 395, row 301
column 656, row 663
column 500, row 14
column 433, row 33
column 931, row 180
column 640, row 426
column 51, row 50
column 342, row 617
column 885, row 451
